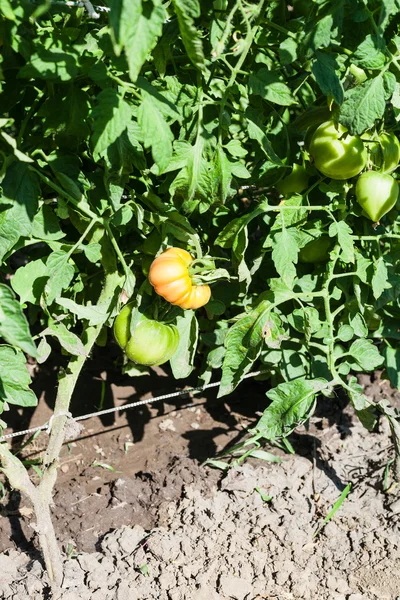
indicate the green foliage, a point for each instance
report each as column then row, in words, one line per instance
column 171, row 124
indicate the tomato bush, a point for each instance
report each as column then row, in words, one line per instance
column 154, row 125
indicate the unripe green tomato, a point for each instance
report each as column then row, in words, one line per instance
column 385, row 153
column 359, row 74
column 295, row 183
column 336, row 153
column 151, row 344
column 377, row 194
column 316, row 251
column 122, row 326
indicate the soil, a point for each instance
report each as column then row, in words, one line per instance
column 140, row 518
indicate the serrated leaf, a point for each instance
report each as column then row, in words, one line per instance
column 292, row 403
column 240, row 354
column 29, row 281
column 363, row 105
column 325, row 69
column 284, row 254
column 370, row 54
column 68, row 340
column 15, row 379
column 380, row 281
column 95, row 314
column 270, row 86
column 187, row 11
column 136, row 26
column 21, row 190
column 61, row 273
column 366, row 354
column 256, row 133
column 156, row 133
column 110, row 118
column 46, row 225
column 343, row 233
column 14, row 328
column 345, row 333
column 182, row 361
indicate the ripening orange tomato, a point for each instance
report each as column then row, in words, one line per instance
column 169, row 275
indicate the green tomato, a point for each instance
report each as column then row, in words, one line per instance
column 377, row 194
column 122, row 326
column 336, row 153
column 316, row 251
column 385, row 153
column 151, row 344
column 295, row 183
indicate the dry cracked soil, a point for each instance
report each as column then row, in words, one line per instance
column 140, row 518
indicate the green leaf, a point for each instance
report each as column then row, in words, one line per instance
column 343, row 233
column 235, row 148
column 366, row 354
column 156, row 133
column 363, row 105
column 284, row 254
column 187, row 11
column 7, row 10
column 21, row 190
column 325, row 69
column 292, row 403
column 136, row 26
column 370, row 54
column 288, row 51
column 15, row 379
column 182, row 361
column 29, row 281
column 60, row 272
column 96, row 314
column 269, row 86
column 380, row 281
column 46, row 225
column 345, row 333
column 68, row 340
column 110, row 118
column 240, row 353
column 51, row 64
column 366, row 412
column 93, row 252
column 43, row 351
column 392, row 364
column 256, row 133
column 14, row 327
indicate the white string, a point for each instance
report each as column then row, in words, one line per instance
column 107, row 411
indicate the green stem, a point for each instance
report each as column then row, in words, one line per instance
column 117, row 249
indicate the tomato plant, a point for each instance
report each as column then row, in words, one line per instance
column 144, row 146
column 377, row 194
column 336, row 153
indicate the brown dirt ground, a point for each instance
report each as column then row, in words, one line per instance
column 202, row 534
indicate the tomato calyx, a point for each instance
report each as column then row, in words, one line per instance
column 204, row 270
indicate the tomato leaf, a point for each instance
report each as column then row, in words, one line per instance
column 187, row 11
column 14, row 327
column 292, row 403
column 14, row 379
column 366, row 354
column 182, row 361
